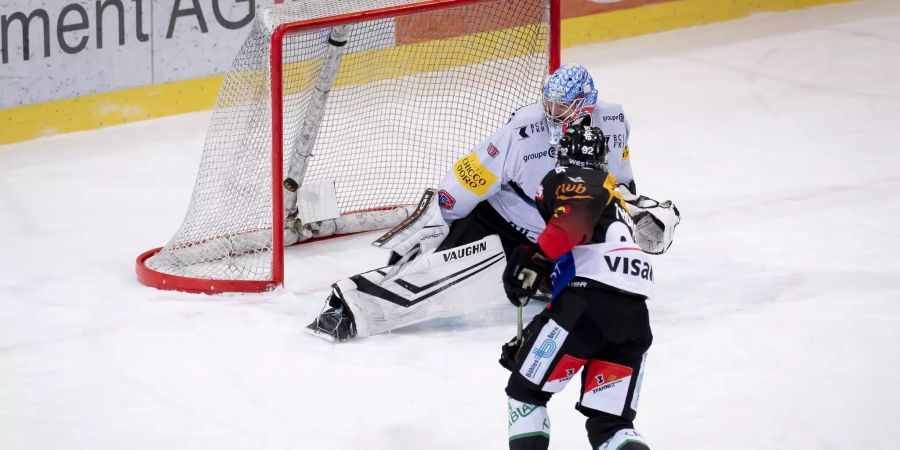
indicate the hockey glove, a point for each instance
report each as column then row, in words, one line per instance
column 508, row 353
column 524, row 270
column 510, row 350
column 654, row 222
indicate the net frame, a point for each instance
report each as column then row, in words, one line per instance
column 165, row 281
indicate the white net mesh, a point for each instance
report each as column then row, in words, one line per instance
column 412, row 94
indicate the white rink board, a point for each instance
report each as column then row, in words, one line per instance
column 775, row 324
column 156, row 42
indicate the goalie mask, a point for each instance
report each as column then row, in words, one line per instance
column 569, row 96
column 583, row 146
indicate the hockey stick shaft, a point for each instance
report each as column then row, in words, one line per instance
column 519, row 324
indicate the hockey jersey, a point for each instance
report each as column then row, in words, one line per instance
column 590, row 232
column 506, row 168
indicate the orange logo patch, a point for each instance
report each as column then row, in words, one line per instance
column 565, row 191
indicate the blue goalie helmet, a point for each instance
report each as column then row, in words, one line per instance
column 569, row 95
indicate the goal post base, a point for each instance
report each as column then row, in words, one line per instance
column 168, row 282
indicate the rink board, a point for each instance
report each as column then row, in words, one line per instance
column 583, row 23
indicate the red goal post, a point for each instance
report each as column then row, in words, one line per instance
column 248, row 256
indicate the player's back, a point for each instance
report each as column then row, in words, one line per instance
column 584, row 206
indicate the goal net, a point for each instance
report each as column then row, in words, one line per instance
column 335, row 116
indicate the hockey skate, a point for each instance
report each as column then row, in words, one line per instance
column 335, row 323
column 625, row 439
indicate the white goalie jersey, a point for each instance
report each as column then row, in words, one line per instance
column 506, row 168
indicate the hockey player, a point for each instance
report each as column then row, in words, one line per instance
column 487, row 192
column 597, row 321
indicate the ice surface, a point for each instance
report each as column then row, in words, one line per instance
column 776, row 320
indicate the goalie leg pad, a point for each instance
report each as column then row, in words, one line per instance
column 423, row 288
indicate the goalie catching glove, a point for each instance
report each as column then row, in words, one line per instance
column 654, row 222
column 525, row 269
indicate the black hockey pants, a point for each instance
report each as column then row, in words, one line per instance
column 602, row 332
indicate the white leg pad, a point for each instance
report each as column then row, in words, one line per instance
column 426, row 287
